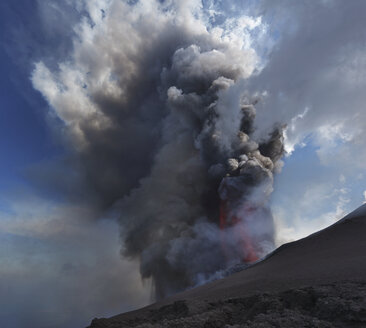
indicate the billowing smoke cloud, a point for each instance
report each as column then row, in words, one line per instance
column 208, row 165
column 154, row 104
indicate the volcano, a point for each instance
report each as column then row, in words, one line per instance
column 318, row 281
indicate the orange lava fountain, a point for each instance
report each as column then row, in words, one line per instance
column 245, row 240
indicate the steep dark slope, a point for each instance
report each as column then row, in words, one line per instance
column 318, row 281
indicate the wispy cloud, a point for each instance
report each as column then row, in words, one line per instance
column 58, row 271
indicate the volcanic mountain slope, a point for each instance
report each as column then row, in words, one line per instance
column 318, row 281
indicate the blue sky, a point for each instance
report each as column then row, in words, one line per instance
column 26, row 138
column 56, row 234
column 23, row 131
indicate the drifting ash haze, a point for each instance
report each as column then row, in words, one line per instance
column 154, row 104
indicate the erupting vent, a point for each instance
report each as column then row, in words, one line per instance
column 244, row 240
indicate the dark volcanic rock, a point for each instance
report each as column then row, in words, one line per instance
column 341, row 304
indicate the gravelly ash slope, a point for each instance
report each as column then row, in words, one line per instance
column 333, row 305
column 318, row 281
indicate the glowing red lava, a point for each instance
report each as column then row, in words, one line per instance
column 245, row 241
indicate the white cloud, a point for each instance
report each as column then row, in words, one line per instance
column 342, row 178
column 290, row 141
column 320, row 206
column 317, row 63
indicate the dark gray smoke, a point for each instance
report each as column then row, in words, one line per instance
column 154, row 104
column 174, row 216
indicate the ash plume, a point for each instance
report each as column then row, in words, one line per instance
column 154, row 104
